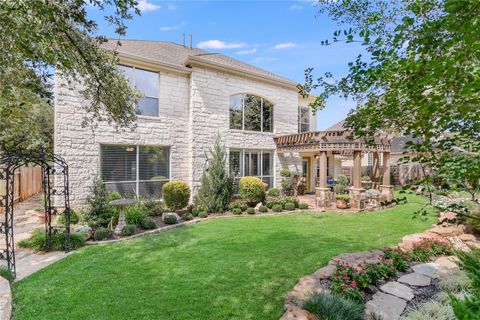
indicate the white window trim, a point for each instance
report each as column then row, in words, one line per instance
column 137, row 166
column 261, row 114
column 260, row 152
column 300, row 123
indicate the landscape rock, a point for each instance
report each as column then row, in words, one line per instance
column 430, row 269
column 408, row 242
column 386, row 306
column 447, row 230
column 447, row 217
column 399, row 290
column 296, row 313
column 171, row 214
column 458, row 244
column 467, row 237
column 325, row 272
column 257, row 207
column 353, row 259
column 415, row 279
column 303, row 290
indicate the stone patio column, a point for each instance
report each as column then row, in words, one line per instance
column 376, row 169
column 356, row 191
column 322, row 192
column 386, row 188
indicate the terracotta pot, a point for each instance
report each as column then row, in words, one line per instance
column 342, row 204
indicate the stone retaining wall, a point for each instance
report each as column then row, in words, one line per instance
column 5, row 299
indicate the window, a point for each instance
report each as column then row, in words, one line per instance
column 303, row 119
column 249, row 112
column 146, row 82
column 135, row 170
column 255, row 163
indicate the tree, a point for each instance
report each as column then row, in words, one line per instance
column 421, row 77
column 462, row 169
column 42, row 36
column 217, row 183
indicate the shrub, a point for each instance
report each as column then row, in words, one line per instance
column 203, row 214
column 176, row 194
column 431, row 309
column 38, row 241
column 285, row 173
column 216, row 185
column 366, row 178
column 263, row 209
column 277, row 208
column 469, row 308
column 344, row 197
column 273, row 192
column 128, row 230
column 74, row 218
column 398, row 258
column 148, row 223
column 292, row 200
column 251, row 189
column 153, row 207
column 135, row 214
column 303, row 205
column 372, row 193
column 101, row 234
column 340, row 189
column 423, row 250
column 197, row 211
column 237, row 211
column 329, row 307
column 455, row 282
column 187, row 217
column 170, row 219
column 474, row 212
column 6, row 273
column 99, row 213
column 287, row 186
column 251, row 210
column 343, row 180
column 238, row 204
column 271, row 201
column 289, row 206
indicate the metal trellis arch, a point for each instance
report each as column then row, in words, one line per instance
column 52, row 166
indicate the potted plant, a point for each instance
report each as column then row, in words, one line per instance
column 343, row 201
column 301, row 187
column 366, row 182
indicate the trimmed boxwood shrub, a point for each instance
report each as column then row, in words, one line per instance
column 170, row 219
column 148, row 223
column 303, row 205
column 292, row 200
column 203, row 214
column 251, row 189
column 289, row 206
column 176, row 194
column 251, row 210
column 237, row 211
column 197, row 211
column 128, row 230
column 101, row 234
column 263, row 209
column 273, row 192
column 187, row 216
column 277, row 208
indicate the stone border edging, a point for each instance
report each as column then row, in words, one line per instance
column 195, row 221
column 5, row 299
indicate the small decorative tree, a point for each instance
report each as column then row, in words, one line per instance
column 176, row 194
column 287, row 186
column 217, row 183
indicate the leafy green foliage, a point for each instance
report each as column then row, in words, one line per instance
column 38, row 241
column 237, row 211
column 251, row 190
column 147, row 223
column 277, row 208
column 330, row 307
column 285, row 173
column 273, row 192
column 38, row 36
column 469, row 308
column 344, row 197
column 423, row 250
column 6, row 273
column 203, row 214
column 101, row 234
column 99, row 213
column 176, row 194
column 216, row 186
column 461, row 169
column 251, row 210
column 128, row 230
column 74, row 218
column 135, row 214
column 399, row 259
column 171, row 219
column 153, row 207
column 303, row 205
column 263, row 208
column 289, row 206
column 187, row 216
column 197, row 211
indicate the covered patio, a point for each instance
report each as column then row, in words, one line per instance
column 325, row 148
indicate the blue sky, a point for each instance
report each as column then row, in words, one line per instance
column 280, row 36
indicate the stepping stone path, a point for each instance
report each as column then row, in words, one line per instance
column 415, row 279
column 386, row 306
column 399, row 290
column 431, row 269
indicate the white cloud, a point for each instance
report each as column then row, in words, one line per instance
column 145, row 6
column 264, row 59
column 175, row 27
column 285, row 45
column 250, row 51
column 217, row 44
column 296, row 7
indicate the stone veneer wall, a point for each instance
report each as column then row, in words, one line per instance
column 193, row 109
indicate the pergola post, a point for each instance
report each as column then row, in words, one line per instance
column 376, row 169
column 356, row 191
column 386, row 187
column 322, row 192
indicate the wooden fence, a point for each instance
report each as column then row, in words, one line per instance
column 28, row 181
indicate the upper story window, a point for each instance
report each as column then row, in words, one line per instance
column 303, row 119
column 148, row 83
column 249, row 112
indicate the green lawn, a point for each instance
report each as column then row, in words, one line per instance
column 236, row 268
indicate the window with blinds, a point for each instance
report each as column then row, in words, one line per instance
column 135, row 170
column 255, row 163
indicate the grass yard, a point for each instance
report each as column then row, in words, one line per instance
column 235, row 268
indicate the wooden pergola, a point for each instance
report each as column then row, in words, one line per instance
column 340, row 142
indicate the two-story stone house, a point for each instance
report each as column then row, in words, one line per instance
column 190, row 96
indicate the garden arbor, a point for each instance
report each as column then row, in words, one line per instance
column 338, row 141
column 54, row 168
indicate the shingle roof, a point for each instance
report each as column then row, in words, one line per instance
column 177, row 56
column 339, row 126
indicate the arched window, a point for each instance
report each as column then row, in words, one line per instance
column 250, row 112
